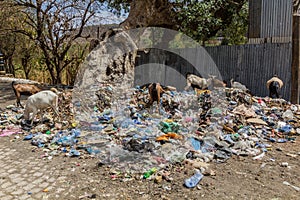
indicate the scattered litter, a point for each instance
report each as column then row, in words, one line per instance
column 284, row 164
column 294, row 187
column 193, row 180
column 259, row 157
column 123, row 131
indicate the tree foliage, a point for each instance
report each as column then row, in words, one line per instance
column 117, row 6
column 201, row 20
column 8, row 39
column 54, row 26
column 206, row 19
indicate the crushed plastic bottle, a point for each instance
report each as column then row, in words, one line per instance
column 285, row 129
column 74, row 152
column 288, row 114
column 193, row 180
column 282, row 140
column 28, row 137
column 149, row 173
column 93, row 150
column 95, row 127
column 259, row 157
column 127, row 123
column 195, row 143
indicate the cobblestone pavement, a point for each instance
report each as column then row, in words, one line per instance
column 23, row 175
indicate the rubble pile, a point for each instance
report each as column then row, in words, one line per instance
column 193, row 128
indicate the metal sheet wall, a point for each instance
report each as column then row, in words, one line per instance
column 251, row 64
column 254, row 64
column 270, row 18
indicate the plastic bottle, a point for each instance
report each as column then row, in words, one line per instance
column 74, row 152
column 282, row 140
column 48, row 132
column 75, row 132
column 149, row 173
column 96, row 127
column 286, row 128
column 193, row 180
column 195, row 143
column 126, row 123
column 288, row 114
column 28, row 137
column 92, row 150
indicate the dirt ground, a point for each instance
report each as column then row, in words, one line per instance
column 237, row 178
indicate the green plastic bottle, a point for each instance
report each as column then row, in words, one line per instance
column 150, row 172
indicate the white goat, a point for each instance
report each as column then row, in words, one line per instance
column 40, row 101
column 238, row 85
column 196, row 81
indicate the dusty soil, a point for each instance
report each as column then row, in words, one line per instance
column 237, row 178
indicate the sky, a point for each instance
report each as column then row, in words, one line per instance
column 106, row 17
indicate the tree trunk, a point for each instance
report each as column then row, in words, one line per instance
column 10, row 65
column 146, row 13
column 296, row 6
column 26, row 68
column 143, row 13
column 52, row 74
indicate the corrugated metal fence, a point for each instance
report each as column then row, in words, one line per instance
column 251, row 64
column 254, row 64
column 270, row 18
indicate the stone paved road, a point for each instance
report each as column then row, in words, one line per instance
column 24, row 175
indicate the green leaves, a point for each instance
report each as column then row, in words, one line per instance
column 206, row 19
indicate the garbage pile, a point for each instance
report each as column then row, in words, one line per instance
column 200, row 126
column 57, row 134
column 193, row 128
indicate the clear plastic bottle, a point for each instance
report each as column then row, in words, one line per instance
column 193, row 180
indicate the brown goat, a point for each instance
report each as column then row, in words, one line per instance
column 216, row 82
column 24, row 89
column 155, row 91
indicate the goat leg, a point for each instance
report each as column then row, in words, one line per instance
column 158, row 103
column 32, row 117
column 188, row 85
column 56, row 112
column 19, row 102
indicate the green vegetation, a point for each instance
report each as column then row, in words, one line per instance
column 45, row 40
